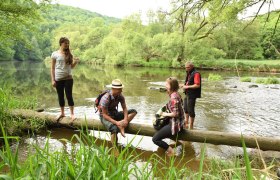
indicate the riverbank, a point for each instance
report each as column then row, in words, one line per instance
column 272, row 66
column 16, row 126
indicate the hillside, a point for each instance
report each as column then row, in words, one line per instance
column 34, row 42
column 63, row 13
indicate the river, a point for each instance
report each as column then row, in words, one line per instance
column 228, row 105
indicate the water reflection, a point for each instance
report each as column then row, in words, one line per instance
column 221, row 108
column 61, row 139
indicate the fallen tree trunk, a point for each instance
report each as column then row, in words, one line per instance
column 212, row 137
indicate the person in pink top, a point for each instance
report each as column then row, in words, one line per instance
column 176, row 117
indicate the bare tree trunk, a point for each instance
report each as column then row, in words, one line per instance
column 203, row 136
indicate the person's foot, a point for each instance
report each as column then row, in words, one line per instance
column 59, row 117
column 170, row 152
column 122, row 131
column 186, row 126
column 73, row 117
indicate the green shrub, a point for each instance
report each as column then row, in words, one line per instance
column 246, row 79
column 214, row 77
column 269, row 80
column 272, row 80
column 260, row 81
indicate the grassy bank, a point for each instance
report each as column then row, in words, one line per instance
column 219, row 64
column 16, row 125
column 240, row 64
column 223, row 64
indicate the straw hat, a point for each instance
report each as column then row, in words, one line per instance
column 116, row 83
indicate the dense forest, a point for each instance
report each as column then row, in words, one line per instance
column 204, row 31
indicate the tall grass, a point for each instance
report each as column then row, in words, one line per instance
column 9, row 101
column 88, row 160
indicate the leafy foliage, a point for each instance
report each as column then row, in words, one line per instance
column 192, row 30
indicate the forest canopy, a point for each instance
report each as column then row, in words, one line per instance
column 192, row 29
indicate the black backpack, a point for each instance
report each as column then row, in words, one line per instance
column 159, row 120
column 98, row 99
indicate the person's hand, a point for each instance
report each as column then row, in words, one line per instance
column 124, row 123
column 183, row 86
column 186, row 87
column 53, row 83
column 118, row 123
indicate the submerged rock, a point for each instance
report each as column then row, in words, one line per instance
column 253, row 86
column 160, row 89
column 274, row 87
column 40, row 110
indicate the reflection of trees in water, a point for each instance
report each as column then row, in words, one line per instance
column 33, row 79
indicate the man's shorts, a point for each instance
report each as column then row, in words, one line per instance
column 189, row 105
column 118, row 117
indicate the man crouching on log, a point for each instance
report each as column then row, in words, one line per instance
column 115, row 121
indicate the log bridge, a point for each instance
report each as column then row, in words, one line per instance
column 202, row 136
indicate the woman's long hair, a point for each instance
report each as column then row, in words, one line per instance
column 174, row 84
column 67, row 52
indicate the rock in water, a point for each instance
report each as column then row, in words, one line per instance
column 253, row 86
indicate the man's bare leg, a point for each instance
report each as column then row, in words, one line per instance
column 131, row 116
column 191, row 122
column 114, row 141
column 186, row 121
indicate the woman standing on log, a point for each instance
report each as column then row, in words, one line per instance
column 176, row 120
column 61, row 75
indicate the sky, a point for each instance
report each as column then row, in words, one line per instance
column 118, row 8
column 124, row 8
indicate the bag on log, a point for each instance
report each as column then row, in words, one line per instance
column 160, row 121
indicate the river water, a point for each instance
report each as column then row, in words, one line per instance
column 228, row 105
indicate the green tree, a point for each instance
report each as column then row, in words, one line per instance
column 17, row 16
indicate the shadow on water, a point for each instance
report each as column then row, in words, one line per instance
column 228, row 105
